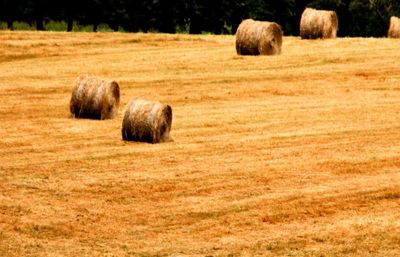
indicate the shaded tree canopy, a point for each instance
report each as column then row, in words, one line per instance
column 356, row 17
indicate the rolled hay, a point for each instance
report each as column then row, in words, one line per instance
column 318, row 24
column 394, row 28
column 147, row 121
column 94, row 98
column 258, row 38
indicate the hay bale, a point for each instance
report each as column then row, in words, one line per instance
column 94, row 98
column 258, row 38
column 394, row 28
column 147, row 121
column 318, row 24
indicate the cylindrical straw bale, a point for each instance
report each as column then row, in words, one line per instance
column 147, row 121
column 94, row 98
column 258, row 38
column 318, row 24
column 394, row 28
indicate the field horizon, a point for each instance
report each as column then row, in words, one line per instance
column 289, row 155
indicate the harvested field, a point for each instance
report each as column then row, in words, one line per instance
column 289, row 155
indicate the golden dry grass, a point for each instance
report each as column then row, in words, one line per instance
column 290, row 155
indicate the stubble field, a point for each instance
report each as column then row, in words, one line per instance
column 290, row 155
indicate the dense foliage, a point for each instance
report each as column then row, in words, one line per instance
column 356, row 17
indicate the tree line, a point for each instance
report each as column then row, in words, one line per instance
column 356, row 17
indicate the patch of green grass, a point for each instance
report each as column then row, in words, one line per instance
column 104, row 28
column 184, row 29
column 17, row 25
column 3, row 25
column 56, row 26
column 82, row 28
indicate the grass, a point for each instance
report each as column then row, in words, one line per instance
column 57, row 26
column 290, row 155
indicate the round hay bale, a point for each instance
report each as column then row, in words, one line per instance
column 94, row 98
column 318, row 24
column 147, row 121
column 394, row 28
column 258, row 38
